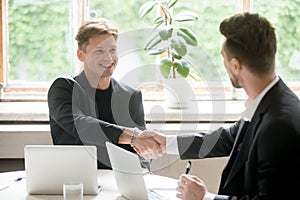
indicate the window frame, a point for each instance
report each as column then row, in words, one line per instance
column 3, row 66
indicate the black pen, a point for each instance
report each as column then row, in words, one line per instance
column 188, row 167
column 15, row 180
column 18, row 179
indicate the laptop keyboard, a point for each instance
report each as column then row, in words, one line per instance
column 152, row 195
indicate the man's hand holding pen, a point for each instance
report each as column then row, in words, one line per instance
column 190, row 187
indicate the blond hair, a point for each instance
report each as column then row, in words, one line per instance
column 94, row 27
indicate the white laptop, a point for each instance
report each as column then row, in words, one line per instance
column 131, row 182
column 48, row 167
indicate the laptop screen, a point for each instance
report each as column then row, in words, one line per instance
column 130, row 177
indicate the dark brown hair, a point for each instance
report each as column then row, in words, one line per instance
column 94, row 27
column 251, row 39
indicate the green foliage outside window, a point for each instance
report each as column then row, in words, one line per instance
column 124, row 15
column 207, row 55
column 41, row 34
column 39, row 40
column 285, row 17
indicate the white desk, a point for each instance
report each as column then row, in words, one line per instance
column 17, row 189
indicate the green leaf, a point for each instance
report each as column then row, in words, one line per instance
column 165, row 67
column 182, row 68
column 153, row 42
column 188, row 35
column 175, row 55
column 177, row 64
column 179, row 45
column 166, row 32
column 186, row 16
column 159, row 20
column 156, row 51
column 172, row 3
column 146, row 8
column 157, row 26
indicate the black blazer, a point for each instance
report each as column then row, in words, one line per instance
column 267, row 165
column 74, row 119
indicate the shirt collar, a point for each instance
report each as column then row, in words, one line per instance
column 251, row 106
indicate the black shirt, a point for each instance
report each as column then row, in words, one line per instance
column 103, row 104
column 103, row 107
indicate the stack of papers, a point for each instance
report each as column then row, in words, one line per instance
column 162, row 185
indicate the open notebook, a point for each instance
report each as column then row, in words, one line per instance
column 131, row 182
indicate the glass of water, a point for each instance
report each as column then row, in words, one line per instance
column 73, row 191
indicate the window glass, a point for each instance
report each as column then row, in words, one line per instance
column 134, row 65
column 210, row 14
column 42, row 46
column 285, row 17
column 40, row 39
column 124, row 14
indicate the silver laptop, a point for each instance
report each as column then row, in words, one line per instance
column 48, row 167
column 131, row 182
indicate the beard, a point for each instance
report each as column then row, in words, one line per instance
column 235, row 81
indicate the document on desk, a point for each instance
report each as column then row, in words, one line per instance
column 162, row 185
column 9, row 178
column 3, row 187
column 4, row 184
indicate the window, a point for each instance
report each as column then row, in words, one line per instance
column 134, row 66
column 133, row 29
column 38, row 44
column 285, row 17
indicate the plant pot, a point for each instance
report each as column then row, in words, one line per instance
column 178, row 93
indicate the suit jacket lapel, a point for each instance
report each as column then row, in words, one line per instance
column 248, row 139
column 120, row 102
column 117, row 97
column 83, row 82
column 242, row 155
column 228, row 168
column 251, row 131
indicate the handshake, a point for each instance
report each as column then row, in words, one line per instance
column 149, row 144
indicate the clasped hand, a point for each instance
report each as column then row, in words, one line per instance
column 150, row 144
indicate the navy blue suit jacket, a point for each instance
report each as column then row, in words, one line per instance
column 267, row 165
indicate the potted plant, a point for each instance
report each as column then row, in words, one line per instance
column 171, row 40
